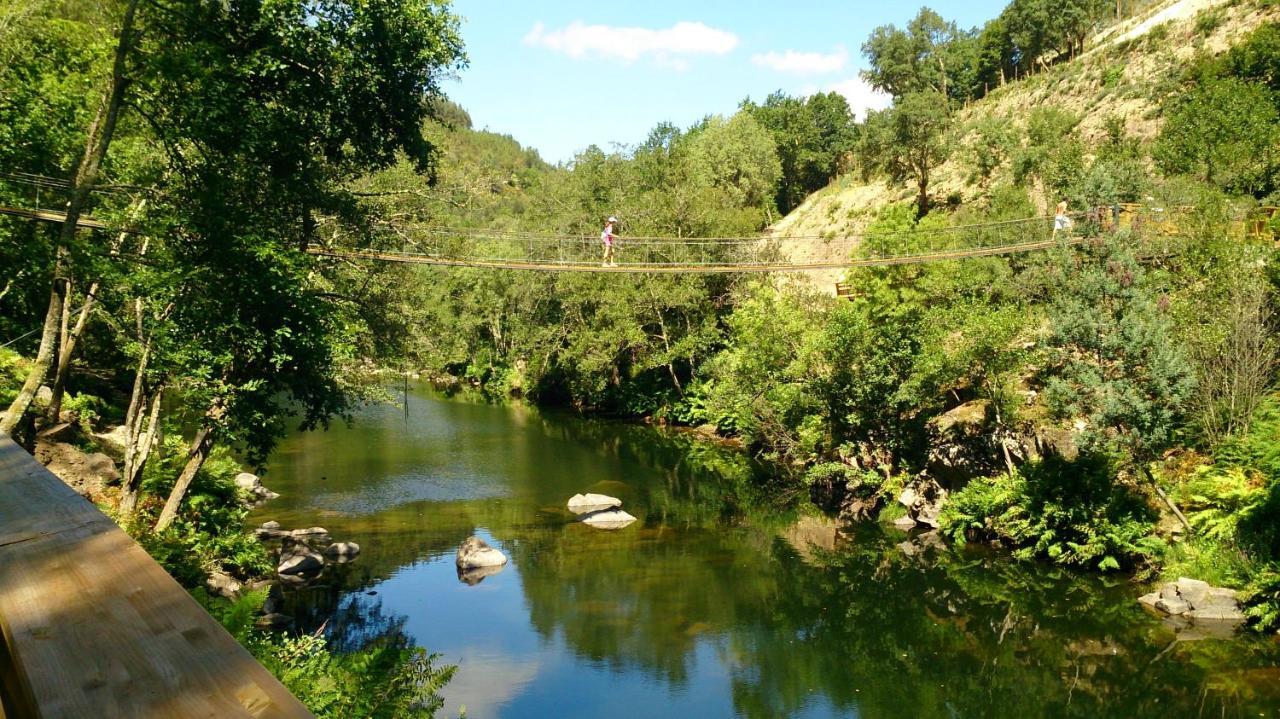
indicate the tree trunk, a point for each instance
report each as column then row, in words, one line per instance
column 136, row 456
column 99, row 139
column 922, row 200
column 196, row 456
column 18, row 409
column 67, row 348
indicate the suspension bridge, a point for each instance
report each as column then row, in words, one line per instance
column 425, row 243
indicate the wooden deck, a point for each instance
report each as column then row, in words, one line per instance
column 94, row 628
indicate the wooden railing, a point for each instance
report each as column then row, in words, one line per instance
column 93, row 628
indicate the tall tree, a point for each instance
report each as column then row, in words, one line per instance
column 909, row 140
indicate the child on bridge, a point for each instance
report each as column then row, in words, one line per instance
column 606, row 237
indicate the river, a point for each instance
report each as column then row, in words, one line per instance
column 721, row 601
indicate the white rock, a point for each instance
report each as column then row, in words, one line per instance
column 475, row 553
column 584, row 503
column 299, row 559
column 248, row 482
column 608, row 519
column 223, row 585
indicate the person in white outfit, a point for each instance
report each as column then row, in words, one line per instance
column 1060, row 220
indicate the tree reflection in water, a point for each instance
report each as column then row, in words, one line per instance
column 864, row 626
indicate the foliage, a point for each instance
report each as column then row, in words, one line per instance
column 1071, row 513
column 209, row 535
column 1223, row 131
column 909, row 141
column 1114, row 365
column 378, row 681
column 813, row 137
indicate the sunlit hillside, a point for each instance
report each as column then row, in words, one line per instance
column 1126, row 71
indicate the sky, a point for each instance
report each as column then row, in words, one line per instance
column 565, row 75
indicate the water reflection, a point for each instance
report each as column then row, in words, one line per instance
column 716, row 601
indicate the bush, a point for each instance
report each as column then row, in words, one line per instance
column 378, row 681
column 1223, row 131
column 1071, row 513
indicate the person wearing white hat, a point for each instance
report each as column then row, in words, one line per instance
column 606, row 237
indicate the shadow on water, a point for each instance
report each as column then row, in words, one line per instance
column 715, row 602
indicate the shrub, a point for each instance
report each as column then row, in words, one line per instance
column 377, row 681
column 1071, row 513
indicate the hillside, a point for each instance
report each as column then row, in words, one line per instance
column 1127, row 70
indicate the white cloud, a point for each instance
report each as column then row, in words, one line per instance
column 861, row 95
column 668, row 47
column 804, row 63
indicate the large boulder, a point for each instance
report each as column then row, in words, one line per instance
column 924, row 498
column 962, row 444
column 223, row 585
column 585, row 503
column 1196, row 601
column 474, row 553
column 114, row 440
column 608, row 519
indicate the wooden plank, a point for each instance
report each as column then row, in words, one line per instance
column 95, row 628
column 57, row 217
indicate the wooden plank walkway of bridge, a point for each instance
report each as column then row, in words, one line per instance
column 93, row 627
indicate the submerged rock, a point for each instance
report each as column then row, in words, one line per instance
column 475, row 553
column 586, row 503
column 608, row 519
column 1196, row 601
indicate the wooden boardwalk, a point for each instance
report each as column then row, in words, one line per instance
column 94, row 628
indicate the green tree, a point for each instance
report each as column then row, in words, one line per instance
column 909, row 141
column 913, row 59
column 1116, row 366
column 738, row 156
column 1225, row 132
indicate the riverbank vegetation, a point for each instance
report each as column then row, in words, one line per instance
column 1107, row 407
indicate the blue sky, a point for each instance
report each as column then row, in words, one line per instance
column 561, row 76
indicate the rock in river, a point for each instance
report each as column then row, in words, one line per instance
column 475, row 553
column 1195, row 600
column 297, row 558
column 608, row 519
column 585, row 503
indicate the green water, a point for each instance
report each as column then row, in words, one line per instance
column 719, row 601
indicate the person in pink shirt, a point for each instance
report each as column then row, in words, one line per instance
column 606, row 237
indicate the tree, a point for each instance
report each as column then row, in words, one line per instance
column 737, row 156
column 265, row 112
column 1116, row 365
column 911, row 60
column 1224, row 131
column 909, row 140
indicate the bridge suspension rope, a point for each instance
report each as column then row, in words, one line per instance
column 497, row 248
